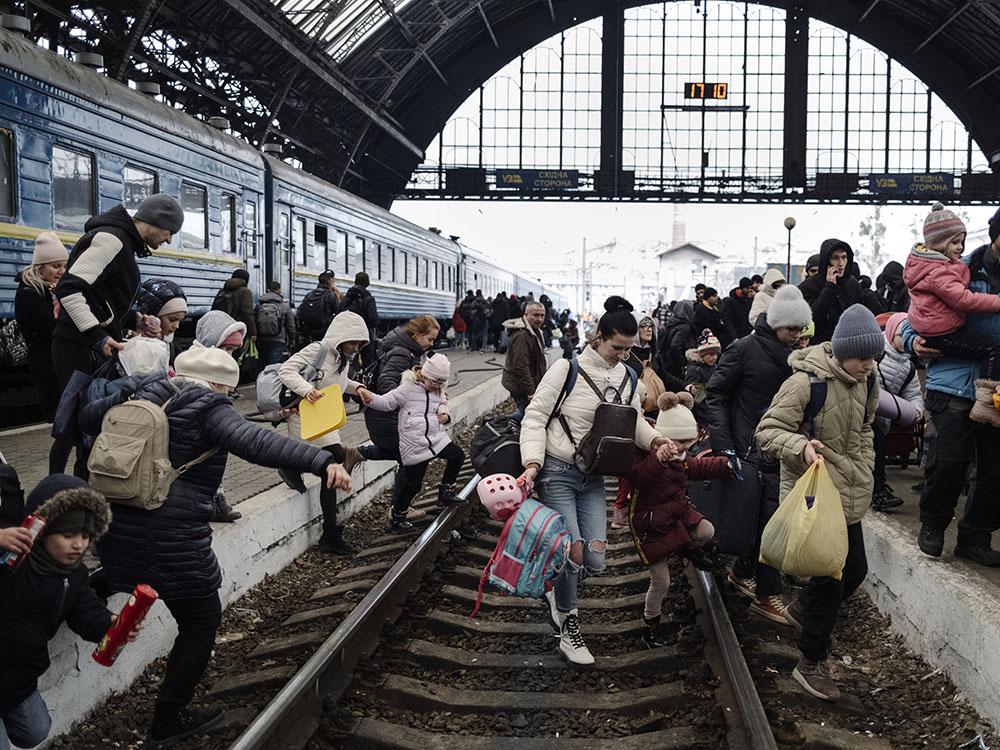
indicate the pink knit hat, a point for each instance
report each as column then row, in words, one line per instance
column 233, row 339
column 48, row 249
column 892, row 325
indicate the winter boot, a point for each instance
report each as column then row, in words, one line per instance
column 571, row 642
column 557, row 617
column 981, row 554
column 293, row 479
column 983, row 411
column 400, row 525
column 352, row 458
column 170, row 728
column 224, row 512
column 333, row 543
column 652, row 637
column 884, row 499
column 930, row 541
column 446, row 495
column 703, row 558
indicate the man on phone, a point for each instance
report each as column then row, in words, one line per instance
column 833, row 289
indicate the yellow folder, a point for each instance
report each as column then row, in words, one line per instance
column 326, row 415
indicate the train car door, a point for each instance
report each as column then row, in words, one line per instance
column 251, row 238
column 283, row 250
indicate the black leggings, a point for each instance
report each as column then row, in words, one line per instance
column 197, row 622
column 413, row 477
column 328, row 497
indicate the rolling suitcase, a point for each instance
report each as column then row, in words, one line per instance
column 733, row 507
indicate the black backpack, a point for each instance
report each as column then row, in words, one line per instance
column 269, row 319
column 609, row 446
column 224, row 301
column 312, row 312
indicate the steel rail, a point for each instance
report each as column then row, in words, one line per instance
column 293, row 714
column 748, row 702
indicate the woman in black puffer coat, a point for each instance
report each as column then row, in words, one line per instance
column 170, row 548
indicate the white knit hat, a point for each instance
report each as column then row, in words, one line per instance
column 436, row 368
column 788, row 309
column 675, row 420
column 208, row 365
column 142, row 355
column 48, row 249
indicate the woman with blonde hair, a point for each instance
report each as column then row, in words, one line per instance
column 36, row 308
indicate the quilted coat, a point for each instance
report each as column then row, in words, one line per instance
column 578, row 410
column 894, row 369
column 421, row 435
column 940, row 297
column 397, row 353
column 170, row 548
column 843, row 424
column 660, row 514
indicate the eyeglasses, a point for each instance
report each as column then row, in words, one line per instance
column 647, row 326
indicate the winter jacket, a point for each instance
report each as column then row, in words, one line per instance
column 397, row 353
column 891, row 289
column 34, row 606
column 421, row 435
column 286, row 335
column 359, row 300
column 577, row 409
column 333, row 369
column 514, row 309
column 843, row 424
column 101, row 280
column 661, row 516
column 35, row 315
column 762, row 300
column 679, row 336
column 458, row 322
column 170, row 548
column 241, row 303
column 940, row 297
column 525, row 362
column 467, row 307
column 498, row 314
column 711, row 318
column 898, row 376
column 736, row 312
column 697, row 373
column 746, row 377
column 827, row 300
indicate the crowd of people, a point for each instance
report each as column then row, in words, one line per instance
column 715, row 387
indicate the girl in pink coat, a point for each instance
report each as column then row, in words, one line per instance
column 938, row 281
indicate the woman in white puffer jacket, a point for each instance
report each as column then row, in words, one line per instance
column 547, row 454
column 344, row 338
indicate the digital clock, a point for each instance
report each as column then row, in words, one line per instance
column 700, row 90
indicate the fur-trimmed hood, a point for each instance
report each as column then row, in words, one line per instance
column 95, row 508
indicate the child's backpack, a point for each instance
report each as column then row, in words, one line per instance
column 530, row 553
column 609, row 446
column 130, row 461
column 269, row 320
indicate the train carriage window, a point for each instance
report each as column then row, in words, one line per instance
column 411, row 269
column 450, row 287
column 400, row 264
column 283, row 239
column 360, row 254
column 435, row 284
column 320, row 249
column 72, row 188
column 301, row 245
column 227, row 222
column 340, row 254
column 427, row 275
column 194, row 203
column 385, row 263
column 137, row 185
column 6, row 172
column 376, row 260
column 250, row 228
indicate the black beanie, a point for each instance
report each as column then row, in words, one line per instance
column 709, row 293
column 995, row 226
column 242, row 273
column 745, row 283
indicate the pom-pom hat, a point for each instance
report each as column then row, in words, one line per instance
column 675, row 420
column 940, row 226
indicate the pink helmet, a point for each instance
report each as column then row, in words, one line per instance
column 500, row 494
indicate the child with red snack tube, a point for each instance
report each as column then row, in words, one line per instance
column 50, row 588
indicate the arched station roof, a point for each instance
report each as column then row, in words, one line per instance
column 358, row 88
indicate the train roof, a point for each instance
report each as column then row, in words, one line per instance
column 33, row 61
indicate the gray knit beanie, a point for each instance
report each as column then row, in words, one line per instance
column 788, row 309
column 857, row 335
column 161, row 210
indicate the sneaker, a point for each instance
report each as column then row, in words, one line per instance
column 814, row 677
column 981, row 554
column 187, row 722
column 446, row 495
column 224, row 512
column 770, row 607
column 335, row 544
column 352, row 458
column 930, row 541
column 884, row 500
column 652, row 636
column 293, row 479
column 571, row 642
column 400, row 526
column 555, row 615
column 703, row 558
column 793, row 615
column 746, row 586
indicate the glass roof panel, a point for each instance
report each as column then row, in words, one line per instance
column 339, row 25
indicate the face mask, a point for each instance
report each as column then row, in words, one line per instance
column 352, row 356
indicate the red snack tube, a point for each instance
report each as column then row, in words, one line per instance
column 34, row 524
column 132, row 614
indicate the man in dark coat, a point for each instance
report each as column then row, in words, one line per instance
column 679, row 336
column 736, row 308
column 318, row 307
column 236, row 300
column 359, row 300
column 102, row 277
column 708, row 314
column 497, row 319
column 272, row 311
column 525, row 363
column 833, row 289
column 747, row 377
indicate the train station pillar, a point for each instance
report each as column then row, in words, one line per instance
column 609, row 180
column 796, row 95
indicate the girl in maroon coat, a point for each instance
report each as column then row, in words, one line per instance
column 661, row 518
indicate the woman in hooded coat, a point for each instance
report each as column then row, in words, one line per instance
column 773, row 281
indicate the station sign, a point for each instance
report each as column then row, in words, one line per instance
column 538, row 179
column 930, row 184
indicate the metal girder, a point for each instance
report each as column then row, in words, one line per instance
column 486, row 22
column 149, row 10
column 552, row 11
column 324, row 75
column 988, row 74
column 945, row 24
column 411, row 39
column 868, row 10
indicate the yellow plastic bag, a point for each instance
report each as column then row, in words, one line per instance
column 326, row 415
column 808, row 541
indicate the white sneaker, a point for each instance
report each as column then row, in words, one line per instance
column 555, row 614
column 571, row 642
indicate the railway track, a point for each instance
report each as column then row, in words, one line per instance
column 407, row 668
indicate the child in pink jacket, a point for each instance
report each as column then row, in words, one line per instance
column 423, row 413
column 938, row 282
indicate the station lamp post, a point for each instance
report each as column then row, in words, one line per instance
column 789, row 225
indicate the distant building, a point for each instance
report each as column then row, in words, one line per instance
column 679, row 268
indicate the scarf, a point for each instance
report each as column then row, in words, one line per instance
column 43, row 563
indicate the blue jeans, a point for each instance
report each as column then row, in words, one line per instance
column 271, row 352
column 25, row 725
column 581, row 501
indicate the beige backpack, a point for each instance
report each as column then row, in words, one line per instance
column 130, row 460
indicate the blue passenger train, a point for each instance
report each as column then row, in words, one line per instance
column 74, row 143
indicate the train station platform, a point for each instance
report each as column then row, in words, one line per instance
column 947, row 608
column 278, row 525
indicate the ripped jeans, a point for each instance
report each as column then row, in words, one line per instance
column 582, row 502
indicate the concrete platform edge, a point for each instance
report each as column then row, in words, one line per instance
column 277, row 526
column 945, row 612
